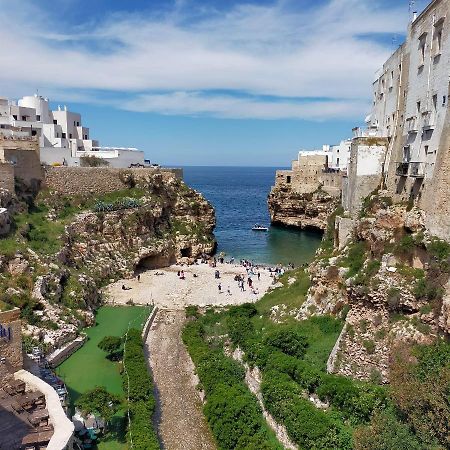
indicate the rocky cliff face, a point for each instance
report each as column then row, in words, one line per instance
column 307, row 210
column 391, row 284
column 157, row 222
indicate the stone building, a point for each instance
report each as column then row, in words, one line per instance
column 19, row 161
column 411, row 114
column 311, row 171
column 62, row 137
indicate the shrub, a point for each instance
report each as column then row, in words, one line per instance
column 98, row 401
column 355, row 258
column 110, row 344
column 386, row 432
column 288, row 340
column 138, row 384
column 93, row 161
column 369, row 345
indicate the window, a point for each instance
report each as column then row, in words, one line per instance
column 434, row 102
column 24, row 118
column 422, row 45
column 85, row 137
column 78, row 124
column 63, row 135
column 33, row 132
column 70, row 135
column 426, row 149
column 14, row 116
column 288, row 179
column 38, row 117
column 418, row 107
column 74, row 123
column 55, row 122
column 337, row 162
column 438, row 31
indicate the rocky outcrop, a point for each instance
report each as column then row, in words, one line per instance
column 390, row 283
column 301, row 210
column 167, row 222
column 173, row 224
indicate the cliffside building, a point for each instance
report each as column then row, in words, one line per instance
column 411, row 115
column 63, row 140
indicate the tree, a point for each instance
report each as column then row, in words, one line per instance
column 93, row 161
column 110, row 344
column 98, row 401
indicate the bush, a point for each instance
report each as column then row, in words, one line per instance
column 386, row 432
column 233, row 413
column 138, row 384
column 98, row 401
column 355, row 258
column 288, row 340
column 110, row 344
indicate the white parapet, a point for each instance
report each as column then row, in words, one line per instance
column 63, row 428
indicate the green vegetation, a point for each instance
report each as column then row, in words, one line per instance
column 138, row 385
column 100, row 402
column 327, row 244
column 88, row 368
column 355, row 258
column 232, row 412
column 110, row 345
column 292, row 358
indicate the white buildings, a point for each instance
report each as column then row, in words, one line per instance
column 335, row 157
column 62, row 137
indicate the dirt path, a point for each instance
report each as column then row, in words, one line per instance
column 181, row 423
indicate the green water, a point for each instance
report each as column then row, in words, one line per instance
column 88, row 367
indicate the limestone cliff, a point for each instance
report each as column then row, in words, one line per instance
column 389, row 280
column 301, row 210
column 63, row 248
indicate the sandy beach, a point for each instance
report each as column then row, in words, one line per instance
column 165, row 289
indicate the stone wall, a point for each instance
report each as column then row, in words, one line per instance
column 7, row 176
column 11, row 349
column 97, row 180
column 24, row 156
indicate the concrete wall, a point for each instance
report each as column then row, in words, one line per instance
column 365, row 171
column 11, row 349
column 96, row 180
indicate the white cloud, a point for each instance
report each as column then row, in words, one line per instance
column 222, row 106
column 168, row 64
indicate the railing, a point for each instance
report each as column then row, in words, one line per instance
column 417, row 169
column 429, row 121
column 412, row 125
column 402, row 169
column 368, row 132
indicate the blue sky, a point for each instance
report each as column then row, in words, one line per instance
column 209, row 82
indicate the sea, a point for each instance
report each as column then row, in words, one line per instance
column 239, row 196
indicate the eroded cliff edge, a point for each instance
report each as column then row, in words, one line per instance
column 301, row 210
column 85, row 228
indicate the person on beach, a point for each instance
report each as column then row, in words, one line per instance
column 228, row 291
column 182, row 275
column 139, row 278
column 259, row 276
column 220, row 288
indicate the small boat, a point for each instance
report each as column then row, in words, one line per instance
column 258, row 227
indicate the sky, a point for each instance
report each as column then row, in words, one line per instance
column 204, row 82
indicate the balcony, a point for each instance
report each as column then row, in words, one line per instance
column 417, row 169
column 412, row 125
column 429, row 121
column 402, row 169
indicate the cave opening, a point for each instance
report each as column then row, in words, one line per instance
column 186, row 252
column 155, row 262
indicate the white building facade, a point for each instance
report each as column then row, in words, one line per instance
column 62, row 137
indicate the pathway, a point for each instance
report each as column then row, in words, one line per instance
column 181, row 424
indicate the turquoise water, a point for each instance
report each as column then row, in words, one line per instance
column 239, row 196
